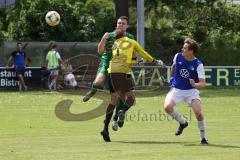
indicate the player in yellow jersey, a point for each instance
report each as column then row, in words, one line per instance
column 120, row 81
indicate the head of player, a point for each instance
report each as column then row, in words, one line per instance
column 122, row 23
column 19, row 46
column 190, row 48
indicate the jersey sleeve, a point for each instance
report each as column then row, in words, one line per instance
column 200, row 71
column 58, row 55
column 175, row 59
column 140, row 51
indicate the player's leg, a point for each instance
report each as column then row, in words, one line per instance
column 127, row 96
column 55, row 82
column 172, row 98
column 109, row 111
column 50, row 78
column 108, row 117
column 20, row 75
column 128, row 100
column 98, row 82
column 119, row 106
column 53, row 77
column 196, row 106
column 20, row 82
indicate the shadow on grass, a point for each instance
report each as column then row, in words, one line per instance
column 187, row 144
column 149, row 142
column 212, row 145
column 63, row 107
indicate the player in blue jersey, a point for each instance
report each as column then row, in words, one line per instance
column 187, row 76
column 19, row 62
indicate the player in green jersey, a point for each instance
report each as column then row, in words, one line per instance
column 105, row 50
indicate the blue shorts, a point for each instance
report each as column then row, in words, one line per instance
column 20, row 71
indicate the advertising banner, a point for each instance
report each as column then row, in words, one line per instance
column 9, row 80
column 142, row 75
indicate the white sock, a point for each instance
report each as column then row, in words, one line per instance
column 201, row 126
column 178, row 117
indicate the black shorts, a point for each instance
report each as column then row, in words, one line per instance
column 20, row 71
column 120, row 82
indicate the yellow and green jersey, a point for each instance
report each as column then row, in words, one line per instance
column 107, row 55
column 123, row 51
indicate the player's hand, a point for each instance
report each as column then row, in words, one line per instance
column 140, row 61
column 158, row 62
column 192, row 82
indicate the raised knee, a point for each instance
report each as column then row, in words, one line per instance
column 168, row 108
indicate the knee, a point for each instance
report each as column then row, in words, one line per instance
column 168, row 108
column 98, row 83
column 130, row 101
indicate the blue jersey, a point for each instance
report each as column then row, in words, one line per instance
column 18, row 59
column 183, row 71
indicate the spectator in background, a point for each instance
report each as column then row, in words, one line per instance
column 52, row 63
column 19, row 63
column 67, row 71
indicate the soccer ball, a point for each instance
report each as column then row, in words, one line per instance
column 52, row 18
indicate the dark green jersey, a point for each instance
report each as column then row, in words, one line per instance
column 107, row 55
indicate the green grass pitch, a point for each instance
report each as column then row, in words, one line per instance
column 31, row 130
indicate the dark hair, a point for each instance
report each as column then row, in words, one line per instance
column 192, row 44
column 54, row 46
column 124, row 18
column 19, row 43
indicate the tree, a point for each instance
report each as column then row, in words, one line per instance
column 122, row 8
column 26, row 20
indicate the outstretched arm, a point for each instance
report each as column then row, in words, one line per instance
column 146, row 55
column 141, row 52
